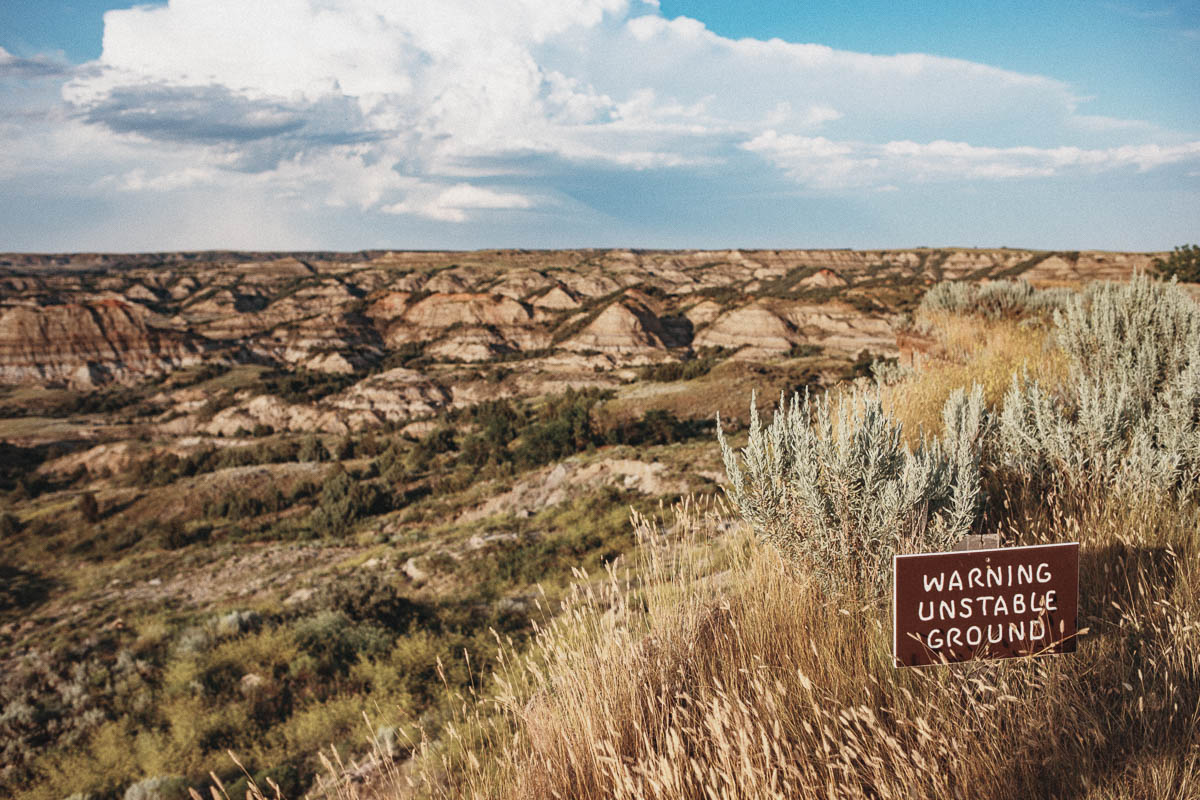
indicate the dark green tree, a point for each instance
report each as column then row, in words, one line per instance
column 1183, row 263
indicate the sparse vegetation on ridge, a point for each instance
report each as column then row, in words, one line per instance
column 1001, row 299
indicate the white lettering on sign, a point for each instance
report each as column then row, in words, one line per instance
column 1021, row 575
column 974, row 634
column 988, row 606
column 993, row 603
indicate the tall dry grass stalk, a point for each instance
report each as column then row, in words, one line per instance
column 709, row 669
column 691, row 679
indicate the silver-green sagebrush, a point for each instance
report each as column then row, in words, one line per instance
column 835, row 489
column 994, row 299
column 1128, row 418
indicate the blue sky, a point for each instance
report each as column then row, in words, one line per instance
column 347, row 124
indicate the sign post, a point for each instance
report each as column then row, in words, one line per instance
column 996, row 603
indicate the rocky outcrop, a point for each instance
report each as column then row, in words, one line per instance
column 520, row 284
column 101, row 460
column 387, row 306
column 1088, row 266
column 397, row 395
column 823, row 279
column 626, row 326
column 470, row 344
column 394, row 396
column 85, row 344
column 750, row 326
column 327, row 342
column 439, row 311
column 557, row 299
column 839, row 326
column 703, row 313
column 565, row 480
column 463, row 326
column 962, row 263
column 274, row 270
column 270, row 411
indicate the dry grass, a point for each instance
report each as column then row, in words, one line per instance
column 725, row 390
column 972, row 350
column 710, row 669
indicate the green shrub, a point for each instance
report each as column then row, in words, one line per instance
column 312, row 449
column 563, row 427
column 169, row 468
column 656, row 427
column 889, row 371
column 335, row 642
column 176, row 535
column 1183, row 264
column 687, row 370
column 366, row 597
column 21, row 589
column 304, row 386
column 344, row 500
column 18, row 467
column 841, row 493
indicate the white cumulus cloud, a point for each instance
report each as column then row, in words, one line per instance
column 425, row 108
column 453, row 203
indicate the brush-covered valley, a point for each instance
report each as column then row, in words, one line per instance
column 418, row 524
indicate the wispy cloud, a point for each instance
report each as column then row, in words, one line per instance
column 821, row 163
column 452, row 204
column 31, row 68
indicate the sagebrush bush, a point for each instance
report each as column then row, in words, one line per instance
column 994, row 299
column 1142, row 334
column 836, row 488
column 888, row 372
column 1128, row 418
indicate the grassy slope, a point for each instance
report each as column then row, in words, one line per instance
column 713, row 668
column 188, row 621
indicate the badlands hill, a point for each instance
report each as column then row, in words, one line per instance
column 82, row 321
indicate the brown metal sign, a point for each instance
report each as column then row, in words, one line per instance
column 998, row 603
